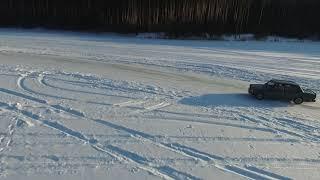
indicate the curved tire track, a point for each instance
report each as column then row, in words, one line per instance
column 119, row 154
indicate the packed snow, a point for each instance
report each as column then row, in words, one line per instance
column 105, row 106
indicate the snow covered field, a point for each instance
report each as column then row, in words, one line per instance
column 81, row 106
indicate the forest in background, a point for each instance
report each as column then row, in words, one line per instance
column 291, row 18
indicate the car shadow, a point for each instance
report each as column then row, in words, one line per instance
column 232, row 100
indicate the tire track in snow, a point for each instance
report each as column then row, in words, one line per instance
column 221, row 163
column 23, row 96
column 296, row 124
column 129, row 103
column 273, row 160
column 268, row 123
column 21, row 85
column 2, row 139
column 94, row 82
column 125, row 139
column 285, row 126
column 37, row 100
column 186, row 151
column 141, row 136
column 157, row 106
column 75, row 134
column 189, row 153
column 146, row 109
column 227, row 124
column 136, row 134
column 202, row 119
column 6, row 139
column 69, row 110
column 247, row 174
column 41, row 80
column 113, row 151
column 169, row 171
column 45, row 83
column 273, row 175
column 21, row 80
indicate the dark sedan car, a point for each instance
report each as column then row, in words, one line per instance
column 281, row 89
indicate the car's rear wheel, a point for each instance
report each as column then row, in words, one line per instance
column 259, row 96
column 298, row 100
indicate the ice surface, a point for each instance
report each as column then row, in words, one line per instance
column 84, row 106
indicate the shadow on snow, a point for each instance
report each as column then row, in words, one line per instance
column 232, row 100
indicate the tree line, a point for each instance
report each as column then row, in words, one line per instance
column 265, row 17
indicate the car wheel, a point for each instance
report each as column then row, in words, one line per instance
column 259, row 96
column 298, row 100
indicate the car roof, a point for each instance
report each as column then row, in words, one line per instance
column 284, row 82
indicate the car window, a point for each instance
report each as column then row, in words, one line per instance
column 292, row 89
column 297, row 89
column 270, row 83
column 289, row 88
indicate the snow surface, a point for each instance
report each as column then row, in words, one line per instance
column 83, row 106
